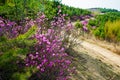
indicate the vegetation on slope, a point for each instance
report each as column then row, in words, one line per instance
column 102, row 10
column 104, row 20
column 19, row 9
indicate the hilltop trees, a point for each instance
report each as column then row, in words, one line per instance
column 19, row 9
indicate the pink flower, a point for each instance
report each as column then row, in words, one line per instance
column 59, row 7
column 85, row 28
column 43, row 16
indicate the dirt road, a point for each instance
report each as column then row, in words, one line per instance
column 103, row 54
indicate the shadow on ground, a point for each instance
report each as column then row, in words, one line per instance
column 89, row 68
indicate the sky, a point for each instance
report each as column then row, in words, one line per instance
column 113, row 4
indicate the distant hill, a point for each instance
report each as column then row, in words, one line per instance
column 102, row 10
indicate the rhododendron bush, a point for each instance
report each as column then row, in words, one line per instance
column 11, row 29
column 48, row 55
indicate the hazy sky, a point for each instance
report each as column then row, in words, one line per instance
column 114, row 4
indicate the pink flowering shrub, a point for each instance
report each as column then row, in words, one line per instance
column 12, row 29
column 85, row 28
column 48, row 54
column 84, row 23
column 40, row 44
column 49, row 57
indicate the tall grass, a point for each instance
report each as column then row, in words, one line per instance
column 112, row 30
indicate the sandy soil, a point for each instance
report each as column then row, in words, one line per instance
column 101, row 53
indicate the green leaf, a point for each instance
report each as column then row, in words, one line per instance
column 11, row 4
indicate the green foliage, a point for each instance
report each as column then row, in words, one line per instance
column 30, row 32
column 51, row 9
column 19, row 9
column 102, row 10
column 78, row 24
column 97, row 32
column 101, row 20
column 12, row 54
column 105, row 10
column 92, row 22
column 71, row 11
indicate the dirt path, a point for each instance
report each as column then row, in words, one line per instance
column 93, row 62
column 103, row 54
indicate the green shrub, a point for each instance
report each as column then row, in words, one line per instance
column 12, row 54
column 92, row 22
column 99, row 32
column 19, row 9
column 105, row 20
column 78, row 24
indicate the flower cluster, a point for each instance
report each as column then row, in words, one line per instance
column 12, row 29
column 62, row 27
column 84, row 23
column 48, row 53
column 69, row 26
column 27, row 24
column 40, row 19
column 59, row 21
column 49, row 56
